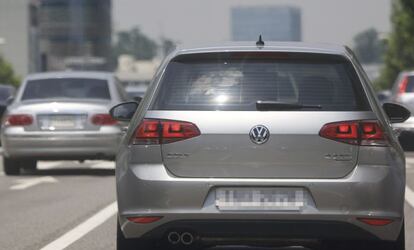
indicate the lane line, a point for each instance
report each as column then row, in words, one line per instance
column 82, row 229
column 30, row 182
column 409, row 196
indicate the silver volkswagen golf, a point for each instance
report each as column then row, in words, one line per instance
column 276, row 144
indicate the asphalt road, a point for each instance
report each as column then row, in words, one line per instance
column 67, row 205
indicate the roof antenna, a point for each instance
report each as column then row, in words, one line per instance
column 260, row 43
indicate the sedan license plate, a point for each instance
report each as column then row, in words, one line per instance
column 61, row 122
column 256, row 199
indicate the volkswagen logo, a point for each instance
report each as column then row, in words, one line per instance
column 259, row 134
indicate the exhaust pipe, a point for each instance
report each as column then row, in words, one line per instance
column 174, row 238
column 187, row 238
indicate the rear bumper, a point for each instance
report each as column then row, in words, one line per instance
column 369, row 191
column 101, row 144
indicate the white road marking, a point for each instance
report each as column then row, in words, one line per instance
column 30, row 182
column 49, row 164
column 82, row 229
column 409, row 196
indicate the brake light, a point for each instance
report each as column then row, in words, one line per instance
column 403, row 85
column 364, row 133
column 19, row 120
column 103, row 119
column 152, row 131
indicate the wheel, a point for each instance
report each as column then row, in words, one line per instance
column 28, row 164
column 123, row 243
column 399, row 244
column 11, row 166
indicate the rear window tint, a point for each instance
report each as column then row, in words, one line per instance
column 73, row 88
column 236, row 82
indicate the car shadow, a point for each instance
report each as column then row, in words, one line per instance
column 70, row 172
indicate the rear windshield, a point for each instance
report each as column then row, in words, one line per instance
column 236, row 81
column 66, row 88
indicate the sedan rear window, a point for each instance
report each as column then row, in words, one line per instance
column 238, row 81
column 80, row 88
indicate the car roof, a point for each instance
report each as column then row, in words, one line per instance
column 71, row 74
column 299, row 47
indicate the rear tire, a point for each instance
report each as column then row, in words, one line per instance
column 123, row 243
column 11, row 166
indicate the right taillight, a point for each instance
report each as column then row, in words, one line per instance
column 155, row 131
column 19, row 120
column 403, row 85
column 364, row 133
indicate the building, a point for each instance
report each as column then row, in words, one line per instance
column 274, row 23
column 74, row 34
column 46, row 35
column 16, row 33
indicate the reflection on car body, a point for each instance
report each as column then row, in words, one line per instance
column 61, row 116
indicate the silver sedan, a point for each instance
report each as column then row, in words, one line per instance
column 61, row 116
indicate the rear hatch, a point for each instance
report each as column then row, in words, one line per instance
column 223, row 95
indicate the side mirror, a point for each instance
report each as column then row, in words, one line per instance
column 396, row 113
column 124, row 112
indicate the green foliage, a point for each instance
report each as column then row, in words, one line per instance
column 167, row 46
column 400, row 52
column 7, row 75
column 368, row 47
column 135, row 43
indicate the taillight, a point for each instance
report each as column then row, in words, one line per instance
column 19, row 120
column 364, row 133
column 103, row 119
column 403, row 85
column 153, row 131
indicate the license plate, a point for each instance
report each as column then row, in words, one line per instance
column 61, row 122
column 268, row 199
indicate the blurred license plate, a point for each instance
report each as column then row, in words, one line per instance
column 269, row 199
column 61, row 122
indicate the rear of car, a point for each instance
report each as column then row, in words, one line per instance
column 260, row 146
column 61, row 116
column 403, row 93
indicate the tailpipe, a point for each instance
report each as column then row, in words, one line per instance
column 187, row 238
column 174, row 238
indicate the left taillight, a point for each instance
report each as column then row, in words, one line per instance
column 19, row 120
column 363, row 133
column 103, row 120
column 154, row 131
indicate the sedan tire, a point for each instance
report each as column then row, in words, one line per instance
column 11, row 166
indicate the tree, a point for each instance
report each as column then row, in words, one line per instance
column 400, row 51
column 167, row 46
column 7, row 75
column 135, row 43
column 368, row 47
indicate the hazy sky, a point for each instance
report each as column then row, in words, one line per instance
column 200, row 21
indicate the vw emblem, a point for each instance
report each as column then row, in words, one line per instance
column 259, row 134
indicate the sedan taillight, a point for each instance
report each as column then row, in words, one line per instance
column 363, row 133
column 19, row 120
column 154, row 131
column 103, row 120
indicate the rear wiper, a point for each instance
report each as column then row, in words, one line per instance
column 274, row 106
